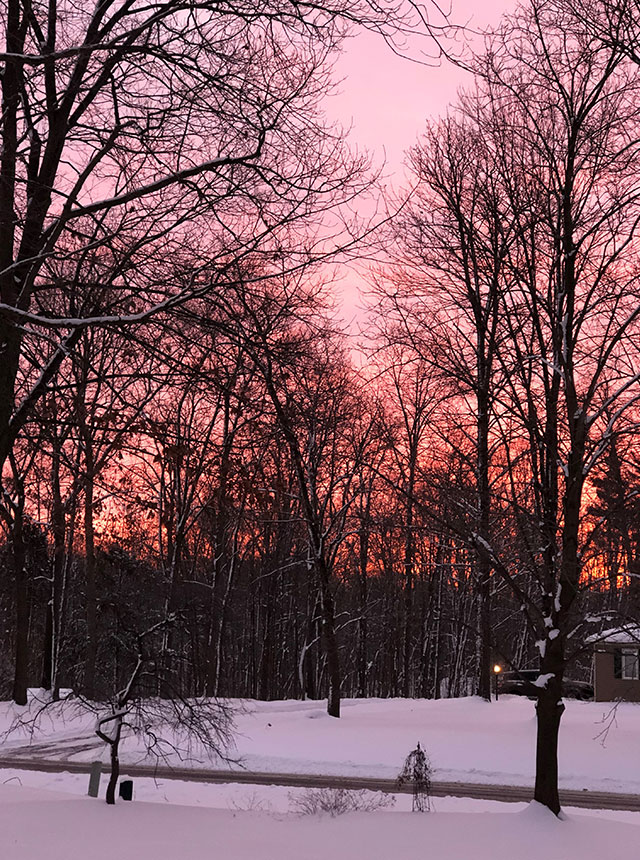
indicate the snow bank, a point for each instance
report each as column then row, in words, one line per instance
column 37, row 825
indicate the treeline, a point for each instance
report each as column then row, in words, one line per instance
column 158, row 488
column 191, row 507
column 198, row 485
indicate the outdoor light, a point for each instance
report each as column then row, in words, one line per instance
column 497, row 668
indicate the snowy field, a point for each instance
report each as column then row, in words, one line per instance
column 468, row 740
column 37, row 824
column 47, row 816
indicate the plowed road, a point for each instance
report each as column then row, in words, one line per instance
column 482, row 791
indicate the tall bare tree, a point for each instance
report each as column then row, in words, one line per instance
column 552, row 264
column 132, row 131
column 452, row 241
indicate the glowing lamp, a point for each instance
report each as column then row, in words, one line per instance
column 497, row 668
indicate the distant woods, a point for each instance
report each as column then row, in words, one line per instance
column 186, row 440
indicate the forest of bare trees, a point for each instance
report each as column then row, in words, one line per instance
column 189, row 445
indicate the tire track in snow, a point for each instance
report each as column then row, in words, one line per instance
column 480, row 791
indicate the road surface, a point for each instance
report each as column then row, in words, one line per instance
column 482, row 791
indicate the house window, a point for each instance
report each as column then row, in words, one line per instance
column 630, row 664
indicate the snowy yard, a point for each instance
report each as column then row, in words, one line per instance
column 468, row 740
column 47, row 825
column 48, row 816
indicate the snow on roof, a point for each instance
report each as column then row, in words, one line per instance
column 628, row 634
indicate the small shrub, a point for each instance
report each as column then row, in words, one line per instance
column 337, row 801
column 250, row 803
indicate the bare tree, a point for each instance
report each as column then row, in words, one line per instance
column 311, row 390
column 564, row 110
column 541, row 255
column 407, row 390
column 162, row 722
column 130, row 132
column 139, row 129
column 441, row 301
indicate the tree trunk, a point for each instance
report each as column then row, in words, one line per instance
column 115, row 764
column 549, row 710
column 45, row 681
column 408, row 579
column 58, row 525
column 330, row 649
column 11, row 334
column 484, row 645
column 363, row 622
column 223, row 554
column 437, row 659
column 90, row 578
column 21, row 667
column 484, row 568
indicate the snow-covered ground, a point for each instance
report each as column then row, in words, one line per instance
column 48, row 816
column 467, row 740
column 46, row 825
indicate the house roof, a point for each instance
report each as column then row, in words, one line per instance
column 628, row 634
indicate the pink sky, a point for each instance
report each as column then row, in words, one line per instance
column 387, row 100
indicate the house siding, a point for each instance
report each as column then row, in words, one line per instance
column 606, row 686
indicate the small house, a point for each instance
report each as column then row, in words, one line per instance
column 616, row 664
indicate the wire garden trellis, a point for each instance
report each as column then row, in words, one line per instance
column 418, row 771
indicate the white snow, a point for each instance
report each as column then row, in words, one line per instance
column 468, row 740
column 556, row 601
column 629, row 634
column 543, row 680
column 41, row 825
column 48, row 817
column 253, row 798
